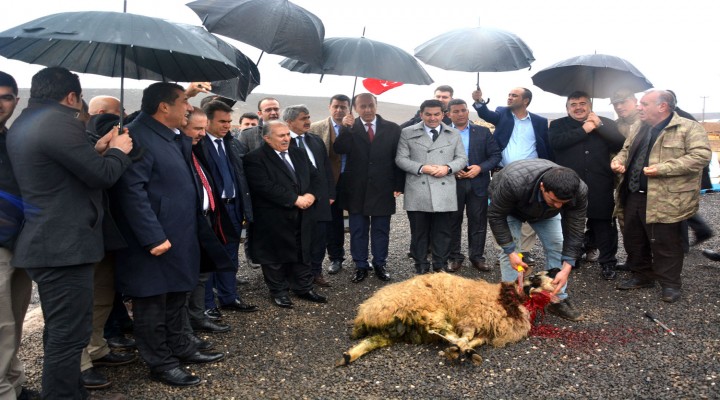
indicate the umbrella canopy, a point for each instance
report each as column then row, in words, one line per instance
column 138, row 47
column 237, row 88
column 366, row 58
column 274, row 26
column 476, row 50
column 600, row 75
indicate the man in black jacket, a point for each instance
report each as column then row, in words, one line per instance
column 62, row 177
column 537, row 191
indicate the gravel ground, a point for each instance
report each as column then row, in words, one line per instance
column 615, row 353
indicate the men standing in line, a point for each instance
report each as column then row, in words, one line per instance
column 520, row 134
column 252, row 138
column 283, row 184
column 472, row 183
column 372, row 181
column 298, row 120
column 329, row 129
column 537, row 191
column 443, row 93
column 583, row 142
column 225, row 164
column 660, row 188
column 429, row 153
column 62, row 177
column 15, row 285
column 157, row 212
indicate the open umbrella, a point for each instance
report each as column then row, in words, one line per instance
column 476, row 50
column 237, row 88
column 273, row 26
column 600, row 75
column 364, row 57
column 144, row 47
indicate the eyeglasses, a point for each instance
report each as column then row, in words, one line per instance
column 8, row 97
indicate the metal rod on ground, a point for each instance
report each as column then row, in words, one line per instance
column 652, row 317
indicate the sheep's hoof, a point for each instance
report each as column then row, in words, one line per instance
column 343, row 361
column 474, row 357
column 452, row 353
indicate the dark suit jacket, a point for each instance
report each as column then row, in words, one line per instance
column 156, row 199
column 326, row 190
column 371, row 175
column 61, row 178
column 281, row 232
column 504, row 123
column 243, row 204
column 485, row 152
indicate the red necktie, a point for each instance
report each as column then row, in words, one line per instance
column 205, row 182
column 371, row 133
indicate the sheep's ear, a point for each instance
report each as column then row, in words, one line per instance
column 552, row 272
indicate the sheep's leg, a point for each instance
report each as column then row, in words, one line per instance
column 458, row 343
column 365, row 346
column 471, row 353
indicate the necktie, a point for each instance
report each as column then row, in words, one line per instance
column 371, row 133
column 205, row 183
column 283, row 155
column 435, row 134
column 301, row 142
column 638, row 161
column 225, row 171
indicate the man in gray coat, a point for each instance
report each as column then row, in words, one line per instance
column 430, row 152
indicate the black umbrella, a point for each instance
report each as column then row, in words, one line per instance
column 239, row 87
column 117, row 45
column 273, row 26
column 599, row 75
column 366, row 58
column 476, row 50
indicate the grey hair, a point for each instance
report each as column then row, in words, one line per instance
column 291, row 113
column 268, row 125
column 664, row 97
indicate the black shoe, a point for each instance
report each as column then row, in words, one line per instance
column 422, row 269
column 565, row 310
column 200, row 344
column 335, row 267
column 312, row 296
column 209, row 326
column 409, row 255
column 360, row 275
column 213, row 314
column 670, row 295
column 175, row 377
column 114, row 359
column 239, row 305
column 28, row 394
column 321, row 281
column 242, row 280
column 608, row 272
column 381, row 273
column 635, row 283
column 711, row 255
column 121, row 343
column 92, row 379
column 622, row 267
column 283, row 301
column 202, row 358
column 701, row 237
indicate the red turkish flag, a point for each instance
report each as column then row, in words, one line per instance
column 379, row 86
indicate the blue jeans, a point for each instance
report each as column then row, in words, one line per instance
column 364, row 231
column 550, row 233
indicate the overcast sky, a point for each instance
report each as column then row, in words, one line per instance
column 674, row 44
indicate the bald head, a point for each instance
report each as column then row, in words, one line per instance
column 104, row 105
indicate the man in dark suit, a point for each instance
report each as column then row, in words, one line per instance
column 157, row 212
column 298, row 120
column 283, row 186
column 372, row 182
column 472, row 185
column 222, row 154
column 61, row 176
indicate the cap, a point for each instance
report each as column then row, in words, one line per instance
column 621, row 95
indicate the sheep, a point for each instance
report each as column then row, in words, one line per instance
column 466, row 313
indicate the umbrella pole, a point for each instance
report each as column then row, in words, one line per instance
column 122, row 89
column 260, row 58
column 477, row 83
column 354, row 86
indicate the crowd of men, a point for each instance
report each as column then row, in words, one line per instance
column 155, row 212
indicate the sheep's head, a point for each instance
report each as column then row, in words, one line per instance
column 540, row 282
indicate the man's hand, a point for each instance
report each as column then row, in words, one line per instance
column 473, row 172
column 650, row 171
column 102, row 145
column 562, row 277
column 161, row 249
column 617, row 167
column 477, row 95
column 397, row 194
column 121, row 142
column 348, row 120
column 437, row 171
column 305, row 201
column 195, row 88
column 516, row 260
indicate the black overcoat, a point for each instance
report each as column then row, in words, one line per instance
column 326, row 191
